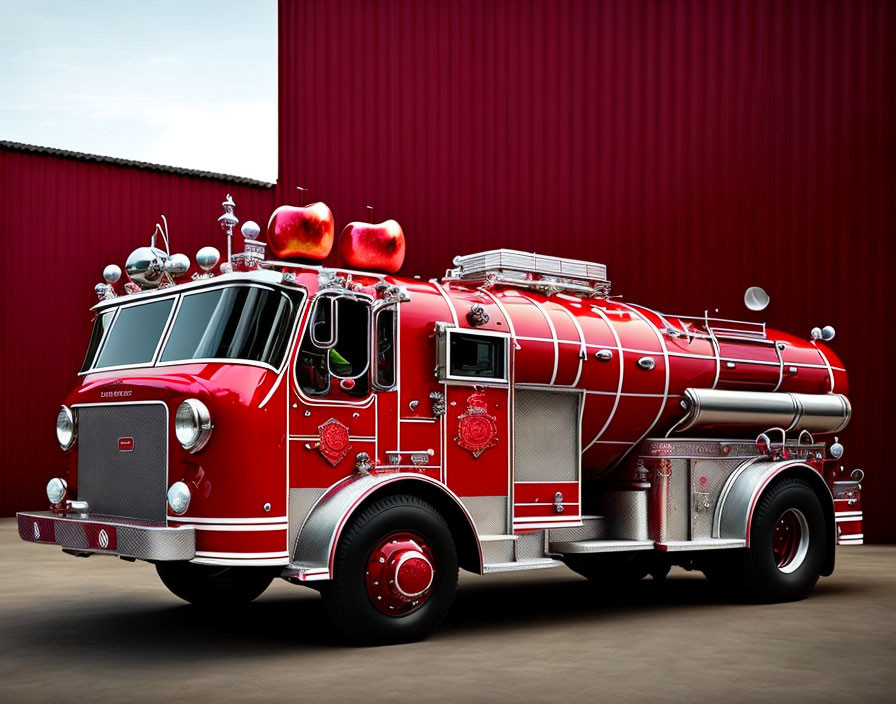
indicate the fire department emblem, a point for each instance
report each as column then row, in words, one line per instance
column 476, row 429
column 334, row 442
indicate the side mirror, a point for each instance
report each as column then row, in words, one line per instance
column 323, row 323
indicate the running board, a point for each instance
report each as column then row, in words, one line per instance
column 706, row 544
column 541, row 563
column 589, row 546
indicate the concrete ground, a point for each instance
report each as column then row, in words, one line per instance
column 100, row 629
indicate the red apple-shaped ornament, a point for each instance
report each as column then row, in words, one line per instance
column 301, row 233
column 380, row 247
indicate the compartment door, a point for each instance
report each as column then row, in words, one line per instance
column 547, row 467
column 477, row 451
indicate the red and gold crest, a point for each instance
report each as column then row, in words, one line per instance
column 476, row 429
column 334, row 441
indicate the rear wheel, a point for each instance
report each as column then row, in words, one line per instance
column 212, row 586
column 787, row 543
column 395, row 573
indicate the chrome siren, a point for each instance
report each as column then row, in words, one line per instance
column 145, row 266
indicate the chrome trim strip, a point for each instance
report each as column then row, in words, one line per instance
column 230, row 521
column 824, row 357
column 267, row 528
column 606, row 319
column 553, row 330
column 448, row 300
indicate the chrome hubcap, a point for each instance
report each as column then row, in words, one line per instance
column 790, row 540
column 400, row 574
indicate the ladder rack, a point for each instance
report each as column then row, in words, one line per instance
column 513, row 267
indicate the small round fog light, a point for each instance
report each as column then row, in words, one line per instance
column 179, row 498
column 56, row 489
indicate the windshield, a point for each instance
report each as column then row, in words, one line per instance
column 249, row 323
column 135, row 334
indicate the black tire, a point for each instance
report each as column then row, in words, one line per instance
column 788, row 543
column 348, row 602
column 613, row 570
column 210, row 586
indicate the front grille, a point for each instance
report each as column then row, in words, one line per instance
column 123, row 459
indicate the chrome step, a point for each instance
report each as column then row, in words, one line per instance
column 589, row 546
column 704, row 544
column 539, row 564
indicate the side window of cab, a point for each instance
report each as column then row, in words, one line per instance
column 335, row 346
column 385, row 326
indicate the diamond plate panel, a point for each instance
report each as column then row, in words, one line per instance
column 488, row 512
column 545, row 436
column 117, row 482
column 626, row 514
column 707, row 479
column 530, row 546
column 497, row 551
column 300, row 503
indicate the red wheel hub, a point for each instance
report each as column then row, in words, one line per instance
column 787, row 538
column 400, row 574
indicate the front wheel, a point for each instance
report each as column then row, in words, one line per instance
column 211, row 586
column 787, row 545
column 395, row 573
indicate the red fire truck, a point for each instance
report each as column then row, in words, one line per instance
column 368, row 435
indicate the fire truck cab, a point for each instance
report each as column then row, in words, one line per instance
column 367, row 435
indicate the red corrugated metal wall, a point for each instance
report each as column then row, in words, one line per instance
column 694, row 147
column 63, row 221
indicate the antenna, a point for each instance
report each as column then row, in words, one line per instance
column 164, row 233
column 303, row 190
column 369, row 213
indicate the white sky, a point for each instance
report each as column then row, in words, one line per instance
column 189, row 83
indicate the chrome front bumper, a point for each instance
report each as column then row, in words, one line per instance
column 109, row 535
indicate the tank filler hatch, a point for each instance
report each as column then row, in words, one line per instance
column 516, row 268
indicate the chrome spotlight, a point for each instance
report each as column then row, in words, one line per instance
column 756, row 298
column 207, row 258
column 112, row 273
column 177, row 264
column 250, row 230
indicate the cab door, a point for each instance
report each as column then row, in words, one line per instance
column 333, row 407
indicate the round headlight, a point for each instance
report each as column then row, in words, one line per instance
column 65, row 428
column 56, row 488
column 179, row 498
column 192, row 424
